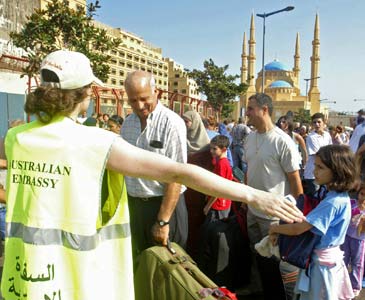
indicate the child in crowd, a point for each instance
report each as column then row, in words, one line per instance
column 327, row 277
column 219, row 208
column 115, row 122
column 354, row 246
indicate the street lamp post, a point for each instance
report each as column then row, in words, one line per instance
column 306, row 85
column 264, row 16
column 326, row 101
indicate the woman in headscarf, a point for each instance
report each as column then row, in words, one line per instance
column 198, row 144
column 197, row 137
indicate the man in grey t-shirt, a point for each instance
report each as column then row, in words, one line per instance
column 273, row 166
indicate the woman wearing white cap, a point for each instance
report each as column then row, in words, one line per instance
column 67, row 235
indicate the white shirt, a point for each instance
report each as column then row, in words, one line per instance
column 355, row 137
column 165, row 134
column 314, row 141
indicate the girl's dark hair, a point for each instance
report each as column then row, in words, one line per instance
column 341, row 161
column 289, row 122
column 47, row 101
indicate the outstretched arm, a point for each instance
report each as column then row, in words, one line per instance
column 132, row 161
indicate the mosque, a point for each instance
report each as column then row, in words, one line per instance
column 281, row 82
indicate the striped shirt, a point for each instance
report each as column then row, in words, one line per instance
column 164, row 134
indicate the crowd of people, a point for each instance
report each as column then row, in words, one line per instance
column 86, row 195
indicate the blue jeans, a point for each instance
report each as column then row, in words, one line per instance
column 2, row 222
column 237, row 153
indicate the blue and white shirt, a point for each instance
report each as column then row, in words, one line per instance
column 164, row 134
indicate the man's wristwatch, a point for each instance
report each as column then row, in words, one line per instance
column 162, row 223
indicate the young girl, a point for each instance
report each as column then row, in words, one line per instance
column 354, row 246
column 327, row 277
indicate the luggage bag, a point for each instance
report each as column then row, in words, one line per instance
column 169, row 273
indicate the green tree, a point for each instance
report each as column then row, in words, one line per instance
column 61, row 27
column 302, row 116
column 219, row 88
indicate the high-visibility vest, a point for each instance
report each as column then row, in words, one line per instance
column 58, row 245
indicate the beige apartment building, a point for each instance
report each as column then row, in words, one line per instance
column 73, row 3
column 185, row 89
column 132, row 54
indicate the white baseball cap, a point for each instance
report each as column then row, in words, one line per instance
column 72, row 68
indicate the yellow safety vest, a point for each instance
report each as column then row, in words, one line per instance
column 58, row 246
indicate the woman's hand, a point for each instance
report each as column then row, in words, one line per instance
column 278, row 206
column 274, row 238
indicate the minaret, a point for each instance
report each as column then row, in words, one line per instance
column 247, row 70
column 251, row 58
column 244, row 68
column 296, row 68
column 314, row 94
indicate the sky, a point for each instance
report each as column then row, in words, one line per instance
column 192, row 31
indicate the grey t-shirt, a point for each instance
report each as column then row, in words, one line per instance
column 269, row 157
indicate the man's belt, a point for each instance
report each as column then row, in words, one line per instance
column 145, row 199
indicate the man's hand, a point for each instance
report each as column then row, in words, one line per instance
column 160, row 233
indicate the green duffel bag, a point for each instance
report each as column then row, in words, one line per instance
column 169, row 273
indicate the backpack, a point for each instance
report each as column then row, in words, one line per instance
column 297, row 250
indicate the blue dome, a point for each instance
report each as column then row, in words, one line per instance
column 276, row 66
column 280, row 84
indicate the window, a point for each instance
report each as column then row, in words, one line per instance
column 129, row 56
column 121, row 73
column 114, row 71
column 121, row 53
column 129, row 65
column 176, row 83
column 177, row 75
column 183, row 91
column 121, row 82
column 113, row 81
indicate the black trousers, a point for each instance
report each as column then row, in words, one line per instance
column 143, row 215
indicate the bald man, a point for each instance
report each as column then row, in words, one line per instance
column 157, row 210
